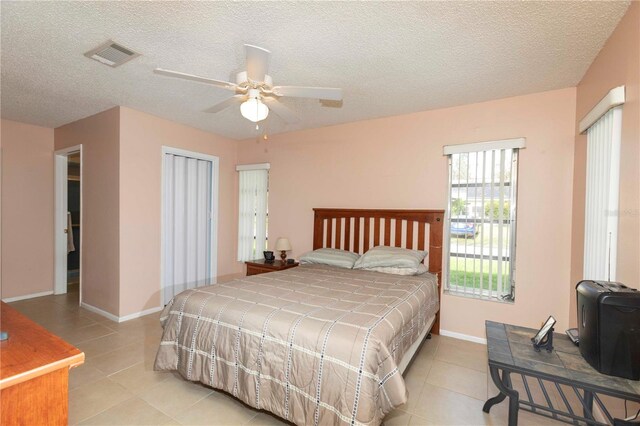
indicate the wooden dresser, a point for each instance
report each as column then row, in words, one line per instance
column 34, row 372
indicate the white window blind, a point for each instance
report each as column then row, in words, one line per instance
column 481, row 219
column 602, row 196
column 252, row 220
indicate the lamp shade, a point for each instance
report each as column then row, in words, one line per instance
column 283, row 244
column 254, row 110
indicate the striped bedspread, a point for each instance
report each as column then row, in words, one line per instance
column 312, row 344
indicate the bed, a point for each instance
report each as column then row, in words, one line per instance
column 314, row 344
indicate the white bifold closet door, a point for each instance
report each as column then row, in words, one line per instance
column 187, row 224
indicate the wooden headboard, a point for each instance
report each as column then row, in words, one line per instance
column 358, row 230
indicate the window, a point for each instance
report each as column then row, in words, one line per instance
column 252, row 210
column 481, row 219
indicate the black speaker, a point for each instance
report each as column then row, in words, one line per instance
column 609, row 327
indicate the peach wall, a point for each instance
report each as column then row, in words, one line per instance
column 27, row 209
column 397, row 162
column 617, row 63
column 99, row 136
column 141, row 139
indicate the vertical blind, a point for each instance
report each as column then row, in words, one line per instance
column 187, row 224
column 252, row 220
column 602, row 196
column 481, row 218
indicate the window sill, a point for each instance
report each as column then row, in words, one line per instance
column 477, row 297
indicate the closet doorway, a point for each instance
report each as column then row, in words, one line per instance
column 68, row 220
column 189, row 221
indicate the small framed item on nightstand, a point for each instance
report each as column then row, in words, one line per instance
column 269, row 257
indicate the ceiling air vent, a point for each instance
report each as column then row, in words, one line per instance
column 112, row 54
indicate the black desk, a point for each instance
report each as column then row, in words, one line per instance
column 511, row 352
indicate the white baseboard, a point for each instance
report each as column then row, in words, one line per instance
column 27, row 296
column 99, row 311
column 463, row 336
column 140, row 314
column 117, row 318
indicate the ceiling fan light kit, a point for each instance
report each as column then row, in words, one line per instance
column 254, row 89
column 253, row 109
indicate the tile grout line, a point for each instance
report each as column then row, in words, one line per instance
column 109, row 407
column 181, row 411
column 95, row 338
column 251, row 419
column 107, row 352
column 461, row 366
column 120, row 371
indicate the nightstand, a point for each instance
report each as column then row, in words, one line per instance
column 259, row 266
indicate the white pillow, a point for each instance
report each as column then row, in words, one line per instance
column 332, row 257
column 422, row 268
column 394, row 257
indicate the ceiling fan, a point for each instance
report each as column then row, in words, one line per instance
column 254, row 89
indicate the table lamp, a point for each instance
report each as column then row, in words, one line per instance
column 283, row 245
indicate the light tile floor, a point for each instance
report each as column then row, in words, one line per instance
column 447, row 381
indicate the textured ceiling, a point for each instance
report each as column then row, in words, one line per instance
column 390, row 58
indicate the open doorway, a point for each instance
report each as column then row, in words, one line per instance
column 68, row 222
column 73, row 222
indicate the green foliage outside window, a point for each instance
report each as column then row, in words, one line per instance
column 459, row 207
column 492, row 209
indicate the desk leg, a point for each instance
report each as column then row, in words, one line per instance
column 504, row 386
column 588, row 404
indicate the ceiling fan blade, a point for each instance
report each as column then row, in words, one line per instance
column 237, row 99
column 224, row 84
column 281, row 111
column 257, row 62
column 327, row 93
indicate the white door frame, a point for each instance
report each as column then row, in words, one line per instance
column 215, row 167
column 60, row 218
